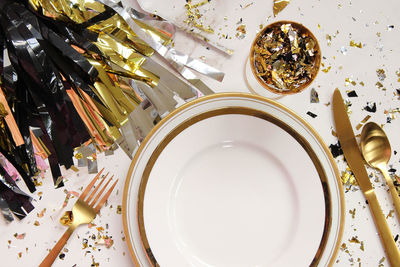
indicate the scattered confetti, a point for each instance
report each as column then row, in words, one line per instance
column 36, row 223
column 314, row 96
column 354, row 44
column 279, row 5
column 20, row 236
column 241, row 31
column 348, row 177
column 108, row 242
column 370, row 107
column 381, row 74
column 349, row 81
column 61, row 256
column 390, row 214
column 326, row 70
column 352, row 94
column 336, row 149
column 193, row 16
column 119, row 209
column 67, row 218
column 353, row 213
column 41, row 214
column 312, row 115
column 358, row 127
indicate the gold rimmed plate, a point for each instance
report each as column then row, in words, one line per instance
column 231, row 179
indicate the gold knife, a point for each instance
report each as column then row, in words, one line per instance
column 354, row 159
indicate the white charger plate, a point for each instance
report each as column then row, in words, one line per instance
column 233, row 180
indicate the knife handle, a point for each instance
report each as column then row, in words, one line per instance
column 392, row 252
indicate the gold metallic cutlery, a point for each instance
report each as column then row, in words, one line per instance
column 354, row 159
column 376, row 150
column 84, row 211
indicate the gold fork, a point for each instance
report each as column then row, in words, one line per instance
column 84, row 211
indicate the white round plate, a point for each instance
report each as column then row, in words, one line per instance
column 233, row 180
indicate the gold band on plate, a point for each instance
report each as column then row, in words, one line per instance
column 243, row 111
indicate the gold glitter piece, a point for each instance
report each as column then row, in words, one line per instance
column 279, row 5
column 379, row 85
column 241, row 31
column 363, row 122
column 78, row 156
column 362, row 83
column 353, row 213
column 67, row 218
column 362, row 245
column 354, row 239
column 36, row 223
column 326, row 70
column 390, row 214
column 119, row 209
column 349, row 81
column 41, row 214
column 354, row 44
column 75, row 169
column 381, row 74
column 348, row 177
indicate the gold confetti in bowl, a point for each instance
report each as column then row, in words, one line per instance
column 285, row 57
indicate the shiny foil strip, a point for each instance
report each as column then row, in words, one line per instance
column 181, row 62
column 12, row 198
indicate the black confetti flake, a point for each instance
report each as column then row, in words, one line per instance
column 370, row 107
column 336, row 149
column 312, row 115
column 392, row 170
column 394, row 152
column 396, row 238
column 352, row 94
column 61, row 256
column 388, row 120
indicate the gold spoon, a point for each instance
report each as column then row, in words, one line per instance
column 376, row 150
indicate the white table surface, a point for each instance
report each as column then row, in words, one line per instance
column 361, row 21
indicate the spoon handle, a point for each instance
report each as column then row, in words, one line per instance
column 392, row 190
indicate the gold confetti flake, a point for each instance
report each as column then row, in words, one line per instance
column 67, row 218
column 354, row 239
column 349, row 81
column 41, row 214
column 379, row 85
column 363, row 122
column 36, row 223
column 354, row 44
column 381, row 74
column 348, row 177
column 241, row 31
column 390, row 214
column 279, row 5
column 362, row 245
column 326, row 70
column 119, row 209
column 353, row 213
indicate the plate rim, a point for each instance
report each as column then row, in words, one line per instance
column 237, row 95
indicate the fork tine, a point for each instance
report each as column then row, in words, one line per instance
column 95, row 189
column 104, row 199
column 99, row 194
column 90, row 185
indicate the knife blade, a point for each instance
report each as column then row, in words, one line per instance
column 355, row 161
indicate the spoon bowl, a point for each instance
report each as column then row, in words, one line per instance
column 376, row 151
column 375, row 145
